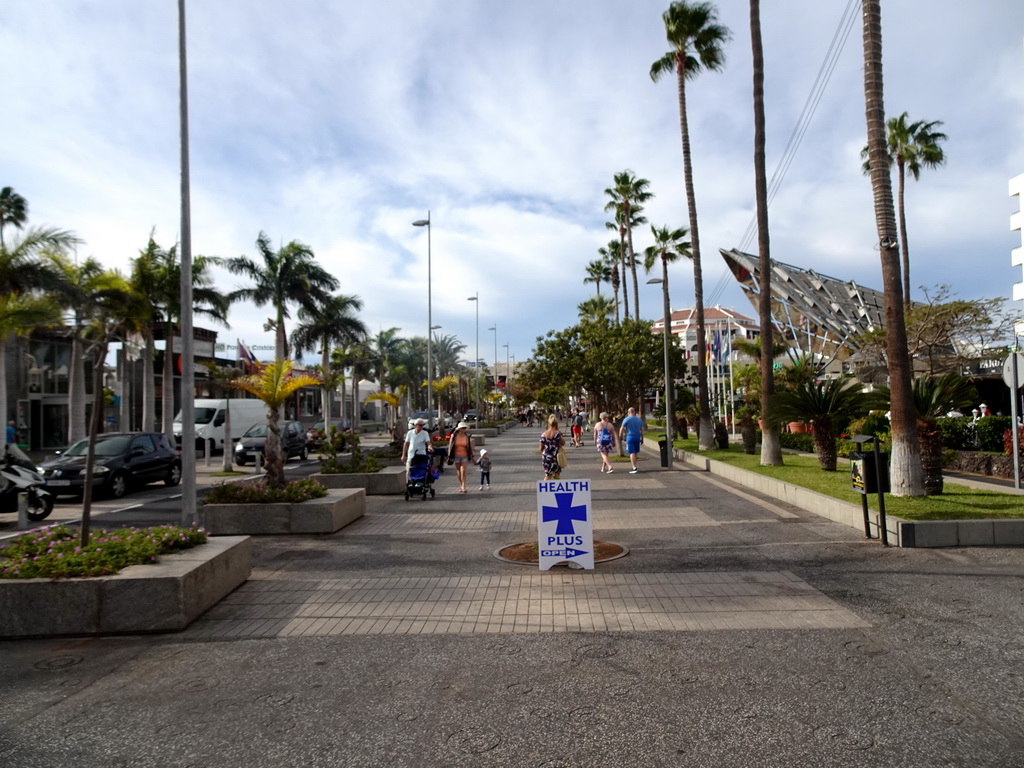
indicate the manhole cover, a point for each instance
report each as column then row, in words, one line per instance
column 525, row 553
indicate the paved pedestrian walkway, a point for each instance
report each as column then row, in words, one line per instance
column 514, row 598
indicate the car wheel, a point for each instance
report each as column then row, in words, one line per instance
column 117, row 486
column 39, row 506
column 240, row 461
column 173, row 475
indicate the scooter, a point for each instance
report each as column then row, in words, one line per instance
column 18, row 475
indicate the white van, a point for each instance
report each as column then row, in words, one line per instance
column 209, row 418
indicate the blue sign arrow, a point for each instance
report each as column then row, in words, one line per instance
column 574, row 552
column 564, row 513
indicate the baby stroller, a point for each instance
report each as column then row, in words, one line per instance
column 421, row 477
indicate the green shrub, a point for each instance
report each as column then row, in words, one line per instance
column 990, row 433
column 956, row 432
column 797, row 442
column 54, row 553
column 875, row 423
column 295, row 491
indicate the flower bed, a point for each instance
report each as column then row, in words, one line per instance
column 55, row 553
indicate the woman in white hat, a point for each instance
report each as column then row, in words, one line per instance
column 460, row 452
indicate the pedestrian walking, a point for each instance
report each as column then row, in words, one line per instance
column 417, row 442
column 12, row 432
column 632, row 433
column 460, row 452
column 484, row 462
column 551, row 441
column 604, row 439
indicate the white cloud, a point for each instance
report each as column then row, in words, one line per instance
column 339, row 125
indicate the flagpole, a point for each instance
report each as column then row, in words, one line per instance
column 732, row 401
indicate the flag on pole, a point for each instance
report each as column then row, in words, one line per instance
column 247, row 358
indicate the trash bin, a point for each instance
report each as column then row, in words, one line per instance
column 663, row 446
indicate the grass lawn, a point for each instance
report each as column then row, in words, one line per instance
column 957, row 502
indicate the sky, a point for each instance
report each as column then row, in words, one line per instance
column 338, row 124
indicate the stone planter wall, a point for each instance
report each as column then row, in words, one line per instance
column 164, row 597
column 388, row 481
column 327, row 515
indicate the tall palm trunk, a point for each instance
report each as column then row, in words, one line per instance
column 771, row 446
column 931, row 455
column 825, row 445
column 907, row 477
column 904, row 248
column 707, row 433
column 76, row 390
column 625, row 286
column 632, row 266
column 148, row 384
column 124, row 412
column 168, row 382
column 615, row 290
column 273, row 461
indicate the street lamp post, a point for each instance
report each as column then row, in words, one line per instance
column 495, row 329
column 476, row 299
column 669, row 407
column 430, row 383
column 506, row 371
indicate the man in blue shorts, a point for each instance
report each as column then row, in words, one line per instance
column 632, row 434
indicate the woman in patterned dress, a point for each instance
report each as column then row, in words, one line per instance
column 550, row 441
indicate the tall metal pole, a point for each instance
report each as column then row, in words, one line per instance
column 495, row 329
column 476, row 364
column 507, row 366
column 187, row 393
column 430, row 327
column 666, row 338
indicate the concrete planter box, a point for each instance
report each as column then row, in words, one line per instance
column 388, row 481
column 488, row 431
column 479, row 440
column 164, row 597
column 327, row 515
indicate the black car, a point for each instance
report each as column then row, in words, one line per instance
column 293, row 442
column 315, row 434
column 122, row 460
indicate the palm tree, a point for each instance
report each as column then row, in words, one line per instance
column 23, row 273
column 598, row 272
column 612, row 256
column 906, row 475
column 628, row 196
column 771, row 445
column 911, row 147
column 333, row 322
column 289, row 275
column 696, row 38
column 446, row 353
column 596, row 308
column 274, row 384
column 829, row 405
column 78, row 288
column 13, row 211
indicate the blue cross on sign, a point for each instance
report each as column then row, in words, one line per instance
column 564, row 527
column 564, row 513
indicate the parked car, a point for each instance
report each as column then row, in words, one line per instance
column 293, row 442
column 318, row 431
column 122, row 460
column 415, row 415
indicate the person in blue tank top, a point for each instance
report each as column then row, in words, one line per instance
column 632, row 434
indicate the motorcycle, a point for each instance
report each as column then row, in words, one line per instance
column 18, row 475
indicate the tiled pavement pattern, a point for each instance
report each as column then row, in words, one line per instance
column 271, row 604
column 527, row 603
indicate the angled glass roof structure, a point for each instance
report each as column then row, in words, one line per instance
column 822, row 313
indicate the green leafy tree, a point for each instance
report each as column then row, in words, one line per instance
column 911, row 147
column 612, row 256
column 696, row 39
column 596, row 308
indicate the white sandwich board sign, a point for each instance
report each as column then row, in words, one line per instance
column 565, row 532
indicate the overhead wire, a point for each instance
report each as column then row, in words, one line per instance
column 825, row 70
